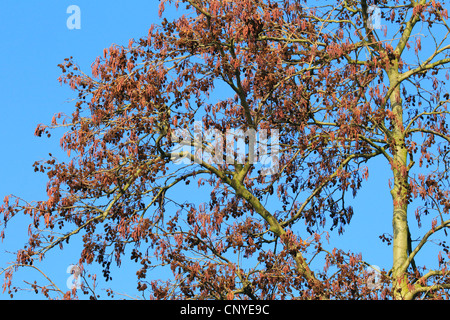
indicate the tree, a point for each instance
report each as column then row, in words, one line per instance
column 314, row 88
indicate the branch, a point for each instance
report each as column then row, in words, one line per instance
column 241, row 191
column 207, row 14
column 405, row 265
column 408, row 29
column 36, row 268
column 424, row 67
column 443, row 136
column 434, row 112
column 102, row 216
column 411, row 295
column 324, row 183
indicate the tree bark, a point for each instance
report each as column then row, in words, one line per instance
column 399, row 191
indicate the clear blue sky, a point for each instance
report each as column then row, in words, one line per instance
column 35, row 39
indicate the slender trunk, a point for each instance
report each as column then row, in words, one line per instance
column 399, row 194
column 400, row 227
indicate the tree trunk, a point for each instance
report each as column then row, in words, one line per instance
column 399, row 193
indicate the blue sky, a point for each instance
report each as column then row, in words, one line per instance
column 35, row 39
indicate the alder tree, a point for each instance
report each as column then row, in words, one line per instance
column 313, row 91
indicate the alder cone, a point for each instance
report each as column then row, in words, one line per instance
column 147, row 173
